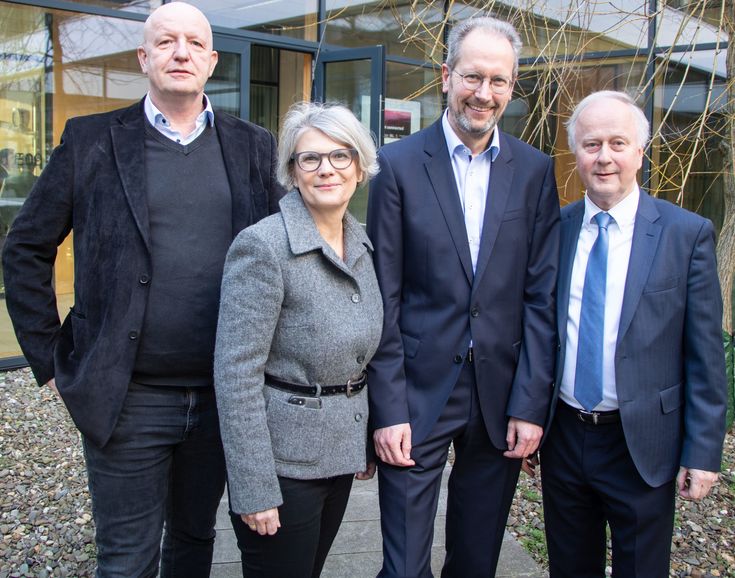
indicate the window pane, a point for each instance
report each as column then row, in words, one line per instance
column 690, row 128
column 413, row 99
column 408, row 29
column 55, row 65
column 141, row 6
column 553, row 27
column 292, row 18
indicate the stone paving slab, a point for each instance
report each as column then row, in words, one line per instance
column 357, row 550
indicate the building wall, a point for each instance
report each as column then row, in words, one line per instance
column 55, row 64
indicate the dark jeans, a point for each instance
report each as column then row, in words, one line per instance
column 310, row 517
column 163, row 464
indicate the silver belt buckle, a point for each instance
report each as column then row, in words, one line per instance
column 350, row 381
column 593, row 414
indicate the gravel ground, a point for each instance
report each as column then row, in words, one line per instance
column 46, row 525
column 46, row 522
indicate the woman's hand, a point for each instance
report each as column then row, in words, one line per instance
column 265, row 522
column 368, row 473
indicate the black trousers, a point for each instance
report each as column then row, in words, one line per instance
column 310, row 517
column 589, row 480
column 481, row 488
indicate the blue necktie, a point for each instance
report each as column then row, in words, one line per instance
column 588, row 377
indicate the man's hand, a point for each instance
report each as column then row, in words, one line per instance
column 695, row 484
column 265, row 522
column 522, row 438
column 368, row 473
column 52, row 384
column 393, row 444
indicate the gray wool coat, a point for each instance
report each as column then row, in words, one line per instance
column 290, row 307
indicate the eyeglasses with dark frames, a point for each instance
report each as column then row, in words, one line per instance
column 309, row 161
column 473, row 81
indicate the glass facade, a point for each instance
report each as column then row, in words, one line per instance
column 72, row 58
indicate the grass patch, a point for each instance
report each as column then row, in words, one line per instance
column 534, row 542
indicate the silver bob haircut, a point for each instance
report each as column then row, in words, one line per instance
column 643, row 127
column 487, row 24
column 335, row 121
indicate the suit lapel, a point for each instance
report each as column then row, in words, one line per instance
column 441, row 175
column 646, row 235
column 498, row 191
column 570, row 227
column 128, row 145
column 238, row 152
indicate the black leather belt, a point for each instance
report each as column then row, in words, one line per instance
column 352, row 387
column 593, row 417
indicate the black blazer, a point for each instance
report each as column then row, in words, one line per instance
column 94, row 185
column 434, row 304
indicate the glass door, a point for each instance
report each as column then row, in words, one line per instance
column 232, row 73
column 356, row 78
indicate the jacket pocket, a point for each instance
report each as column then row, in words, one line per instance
column 514, row 214
column 296, row 432
column 410, row 345
column 661, row 285
column 671, row 398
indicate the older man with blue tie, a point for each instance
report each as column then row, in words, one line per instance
column 639, row 407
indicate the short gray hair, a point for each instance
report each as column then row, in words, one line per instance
column 487, row 24
column 643, row 127
column 335, row 121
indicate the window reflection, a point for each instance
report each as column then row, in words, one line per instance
column 55, row 65
column 292, row 18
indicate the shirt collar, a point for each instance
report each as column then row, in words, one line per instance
column 155, row 116
column 623, row 213
column 454, row 143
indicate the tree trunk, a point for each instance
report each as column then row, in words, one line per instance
column 726, row 243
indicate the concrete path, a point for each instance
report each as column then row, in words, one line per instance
column 356, row 552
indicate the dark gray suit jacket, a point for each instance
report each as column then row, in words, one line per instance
column 94, row 185
column 669, row 360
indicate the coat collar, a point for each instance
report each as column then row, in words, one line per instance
column 498, row 193
column 438, row 166
column 128, row 144
column 303, row 236
column 646, row 236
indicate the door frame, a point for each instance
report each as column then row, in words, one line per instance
column 242, row 47
column 376, row 56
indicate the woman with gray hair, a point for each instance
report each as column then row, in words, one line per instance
column 300, row 317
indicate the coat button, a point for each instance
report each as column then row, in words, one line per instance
column 355, row 297
column 458, row 358
column 144, row 279
column 358, row 417
column 133, row 335
column 360, row 359
column 475, row 312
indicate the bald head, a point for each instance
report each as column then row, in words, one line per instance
column 177, row 55
column 172, row 12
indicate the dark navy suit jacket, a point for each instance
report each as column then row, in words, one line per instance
column 669, row 359
column 95, row 184
column 433, row 303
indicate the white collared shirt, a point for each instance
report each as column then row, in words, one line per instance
column 162, row 125
column 472, row 175
column 620, row 238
